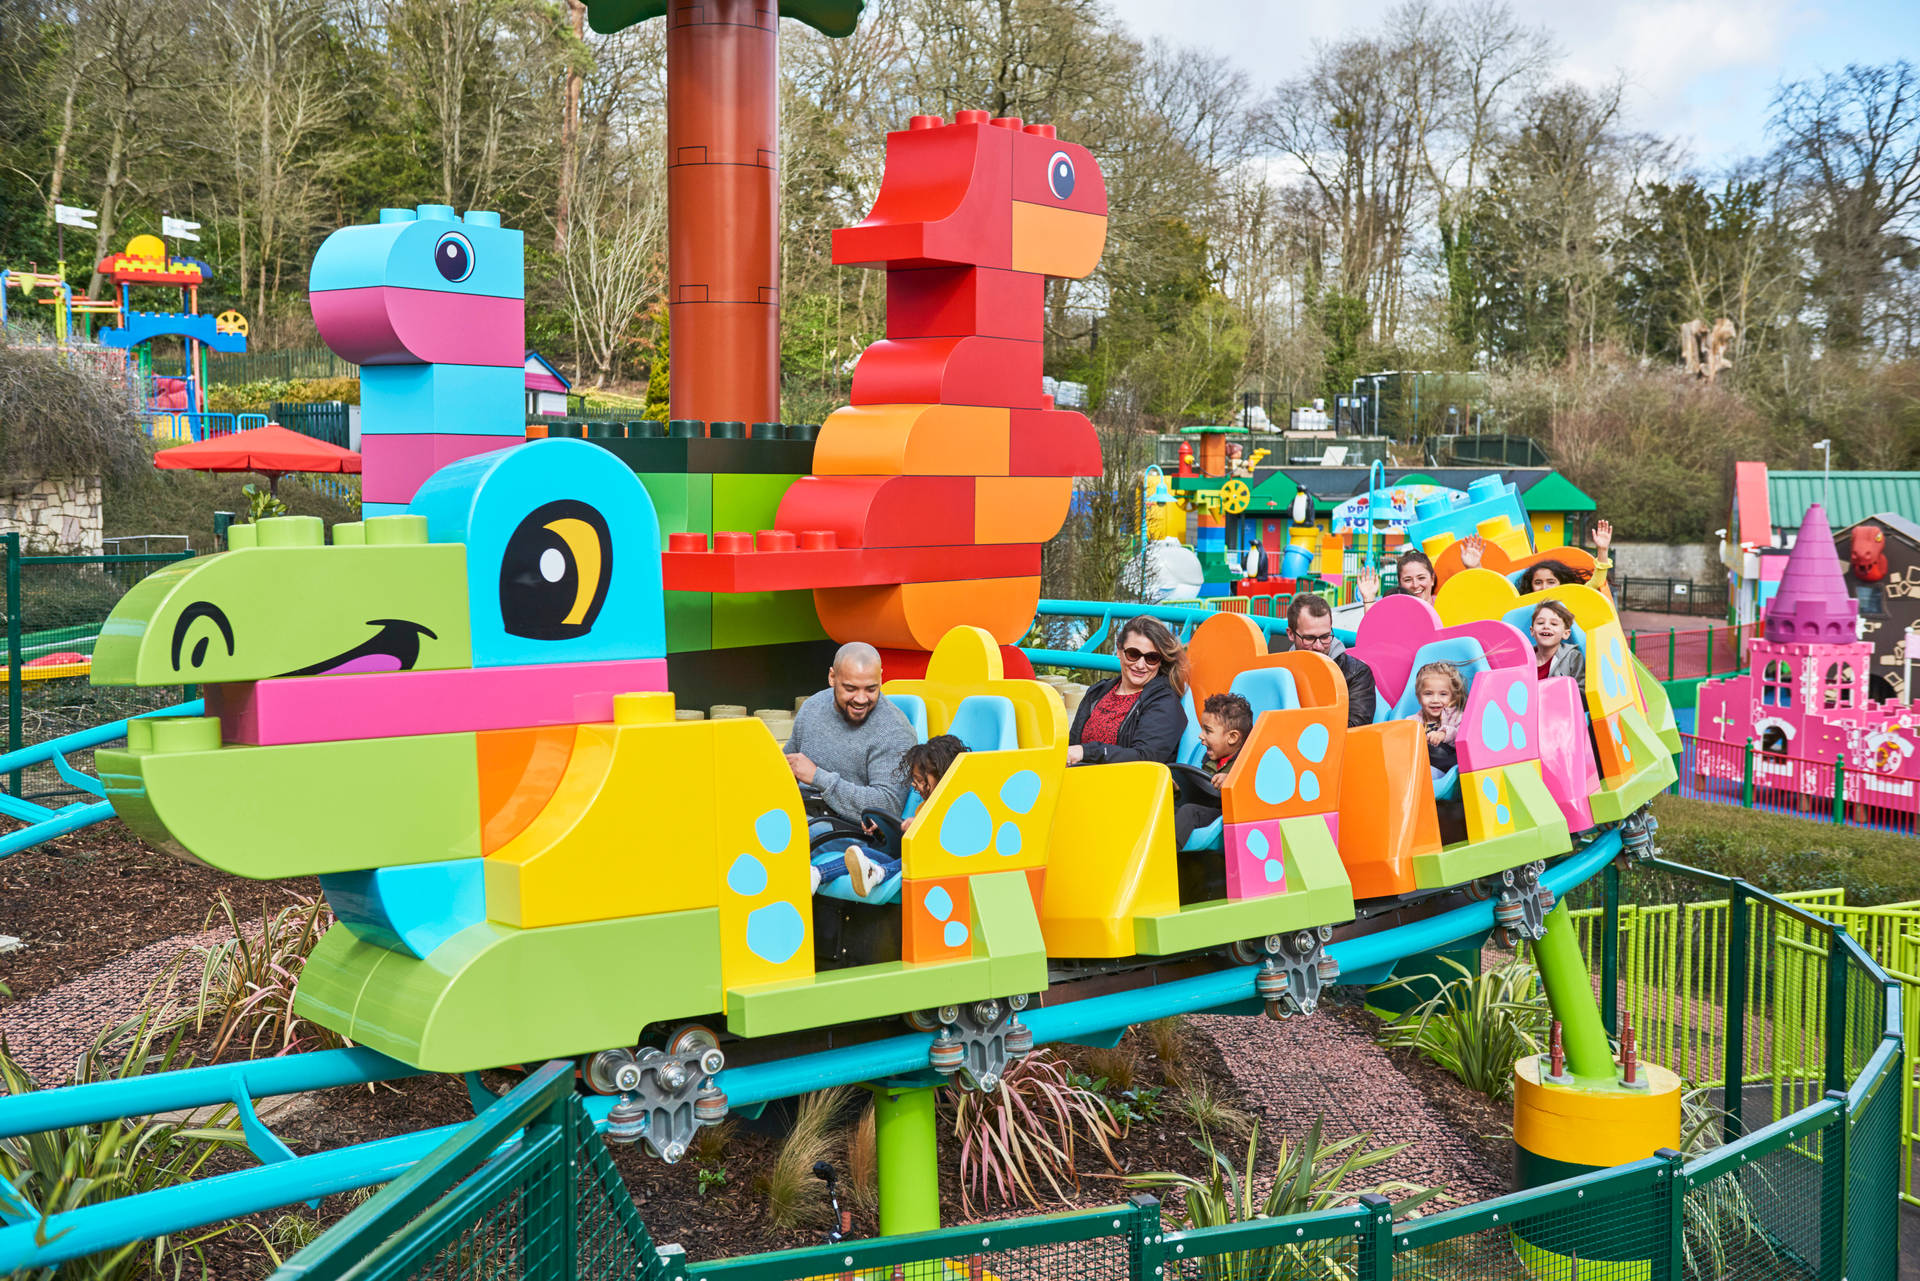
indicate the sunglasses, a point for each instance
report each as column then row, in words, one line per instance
column 1151, row 657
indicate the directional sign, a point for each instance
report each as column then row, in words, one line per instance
column 74, row 216
column 178, row 228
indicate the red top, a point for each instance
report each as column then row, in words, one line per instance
column 1542, row 668
column 1103, row 723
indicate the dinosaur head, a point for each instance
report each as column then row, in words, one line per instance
column 422, row 286
column 983, row 192
column 509, row 572
column 1867, row 557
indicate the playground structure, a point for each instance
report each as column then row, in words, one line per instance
column 1804, row 700
column 177, row 404
column 66, row 308
column 487, row 660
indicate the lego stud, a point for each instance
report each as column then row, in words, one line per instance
column 1007, row 122
column 291, row 531
column 776, row 540
column 818, row 540
column 647, row 707
column 925, row 122
column 350, row 533
column 177, row 734
column 435, row 213
column 1041, row 131
column 732, row 542
column 970, row 117
column 240, row 537
column 392, row 531
column 686, row 542
column 396, row 215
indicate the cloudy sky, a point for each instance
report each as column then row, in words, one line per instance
column 1698, row 70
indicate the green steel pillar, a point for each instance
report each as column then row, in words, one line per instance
column 909, row 1159
column 1557, row 953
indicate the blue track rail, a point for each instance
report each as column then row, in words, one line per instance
column 29, row 1242
column 44, row 822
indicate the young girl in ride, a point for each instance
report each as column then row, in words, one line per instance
column 1551, row 573
column 1412, row 570
column 923, row 766
column 1554, row 652
column 1441, row 692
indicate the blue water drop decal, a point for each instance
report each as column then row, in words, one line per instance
column 1517, row 698
column 775, row 932
column 1007, row 840
column 1501, row 814
column 1493, row 728
column 1020, row 792
column 1274, row 869
column 1257, row 843
column 1490, row 787
column 775, row 830
column 967, row 828
column 747, row 877
column 1519, row 738
column 1273, row 780
column 1313, row 742
column 955, row 934
column 1613, row 648
column 1309, row 786
column 938, row 902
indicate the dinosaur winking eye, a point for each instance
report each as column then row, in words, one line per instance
column 1060, row 175
column 555, row 571
column 453, row 255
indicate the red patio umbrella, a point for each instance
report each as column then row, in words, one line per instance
column 273, row 451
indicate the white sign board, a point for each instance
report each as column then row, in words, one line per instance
column 178, row 228
column 74, row 216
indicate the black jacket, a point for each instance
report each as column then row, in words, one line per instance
column 1151, row 731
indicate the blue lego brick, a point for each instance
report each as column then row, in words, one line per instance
column 412, row 909
column 450, row 400
column 1487, row 498
column 1212, row 539
column 400, row 251
column 369, row 510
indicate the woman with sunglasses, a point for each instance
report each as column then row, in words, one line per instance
column 1135, row 716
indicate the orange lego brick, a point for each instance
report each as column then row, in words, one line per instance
column 913, row 440
column 1019, row 509
column 917, row 615
column 519, row 769
column 938, row 924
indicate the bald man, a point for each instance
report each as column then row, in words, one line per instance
column 848, row 739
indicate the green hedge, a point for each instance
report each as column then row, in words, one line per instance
column 1783, row 852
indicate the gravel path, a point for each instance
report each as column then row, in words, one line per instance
column 46, row 1033
column 1328, row 1066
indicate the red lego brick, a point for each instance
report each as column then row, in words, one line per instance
column 953, row 302
column 945, row 197
column 882, row 511
column 1053, row 442
column 950, row 371
column 739, row 565
column 1043, row 167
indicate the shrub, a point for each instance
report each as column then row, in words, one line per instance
column 1117, row 1066
column 65, row 1169
column 1724, row 1224
column 60, row 416
column 863, row 1162
column 1164, row 1035
column 1029, row 1131
column 795, row 1199
column 247, row 982
column 1213, row 1114
column 1306, row 1177
column 1475, row 1026
column 1782, row 852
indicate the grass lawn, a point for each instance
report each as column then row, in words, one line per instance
column 1782, row 852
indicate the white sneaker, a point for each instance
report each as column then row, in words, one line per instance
column 867, row 875
column 814, row 873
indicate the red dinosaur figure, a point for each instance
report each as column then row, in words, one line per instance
column 1868, row 556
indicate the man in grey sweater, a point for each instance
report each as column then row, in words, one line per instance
column 848, row 739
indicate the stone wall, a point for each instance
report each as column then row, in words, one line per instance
column 1690, row 561
column 59, row 515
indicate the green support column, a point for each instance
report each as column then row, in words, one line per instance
column 909, row 1159
column 1564, row 972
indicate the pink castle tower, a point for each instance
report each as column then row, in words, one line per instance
column 1803, row 702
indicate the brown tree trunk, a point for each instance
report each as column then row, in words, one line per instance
column 723, row 249
column 569, row 135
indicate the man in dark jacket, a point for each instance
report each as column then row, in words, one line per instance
column 1310, row 629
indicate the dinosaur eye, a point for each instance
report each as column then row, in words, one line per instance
column 1060, row 175
column 555, row 571
column 454, row 257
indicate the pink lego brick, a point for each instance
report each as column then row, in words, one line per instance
column 1566, row 757
column 1502, row 721
column 321, row 709
column 389, row 325
column 1256, row 863
column 393, row 467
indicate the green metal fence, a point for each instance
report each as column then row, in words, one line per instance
column 1796, row 1176
column 54, row 606
column 265, row 366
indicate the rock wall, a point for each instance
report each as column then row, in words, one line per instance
column 1690, row 561
column 58, row 515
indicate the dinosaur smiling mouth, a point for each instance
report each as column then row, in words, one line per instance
column 395, row 647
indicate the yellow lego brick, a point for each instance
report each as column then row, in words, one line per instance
column 760, row 833
column 1111, row 858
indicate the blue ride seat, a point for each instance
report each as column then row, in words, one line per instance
column 914, row 708
column 985, row 723
column 1464, row 652
column 1267, row 689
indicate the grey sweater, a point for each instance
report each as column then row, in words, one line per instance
column 857, row 767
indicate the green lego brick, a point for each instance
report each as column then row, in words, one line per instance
column 684, row 502
column 1653, row 773
column 764, row 618
column 689, row 621
column 864, row 992
column 748, row 502
column 1318, row 893
column 1006, row 930
column 1659, row 708
column 493, row 994
column 272, row 610
column 303, row 809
